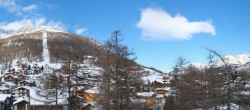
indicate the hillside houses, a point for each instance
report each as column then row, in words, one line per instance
column 26, row 87
column 15, row 86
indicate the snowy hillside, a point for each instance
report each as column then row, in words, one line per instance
column 234, row 59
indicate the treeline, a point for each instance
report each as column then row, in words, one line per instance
column 21, row 46
column 63, row 46
column 208, row 88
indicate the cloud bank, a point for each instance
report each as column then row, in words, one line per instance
column 157, row 24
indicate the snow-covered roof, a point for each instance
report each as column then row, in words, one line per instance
column 3, row 97
column 20, row 99
column 10, row 84
column 93, row 90
column 247, row 86
column 145, row 94
column 25, row 87
column 11, row 76
column 4, row 88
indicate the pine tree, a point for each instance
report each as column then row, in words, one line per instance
column 119, row 79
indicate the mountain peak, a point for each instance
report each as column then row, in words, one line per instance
column 29, row 29
column 234, row 59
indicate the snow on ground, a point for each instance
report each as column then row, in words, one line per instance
column 9, row 43
column 152, row 76
column 145, row 94
column 232, row 107
column 94, row 90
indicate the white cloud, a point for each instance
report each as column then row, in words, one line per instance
column 11, row 6
column 28, row 16
column 80, row 30
column 51, row 6
column 30, row 8
column 14, row 26
column 158, row 24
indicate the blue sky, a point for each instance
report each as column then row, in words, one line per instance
column 159, row 31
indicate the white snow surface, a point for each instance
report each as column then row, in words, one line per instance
column 46, row 57
column 151, row 75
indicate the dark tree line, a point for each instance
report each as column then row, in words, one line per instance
column 21, row 46
column 63, row 46
column 207, row 88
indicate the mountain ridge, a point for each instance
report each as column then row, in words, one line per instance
column 27, row 30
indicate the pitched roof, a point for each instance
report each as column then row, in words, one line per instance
column 10, row 84
column 4, row 88
column 11, row 76
column 20, row 99
column 3, row 97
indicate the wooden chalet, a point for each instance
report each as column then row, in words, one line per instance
column 26, row 83
column 87, row 96
column 149, row 97
column 161, row 91
column 4, row 90
column 22, row 77
column 20, row 92
column 11, row 78
column 22, row 103
column 10, row 85
column 158, row 84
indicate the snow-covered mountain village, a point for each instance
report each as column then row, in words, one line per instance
column 124, row 55
column 25, row 82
